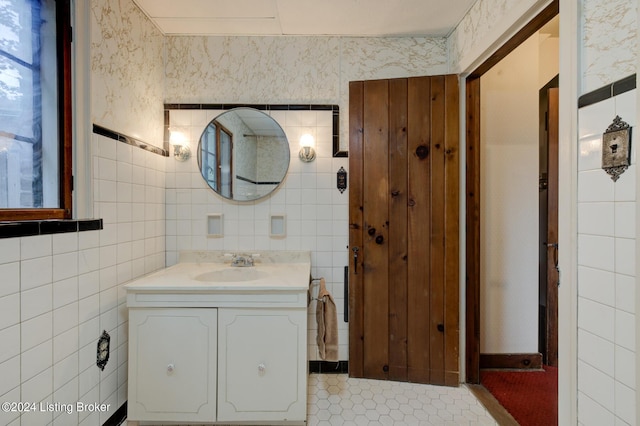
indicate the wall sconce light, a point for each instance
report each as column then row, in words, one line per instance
column 181, row 150
column 307, row 153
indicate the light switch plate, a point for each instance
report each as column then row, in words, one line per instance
column 616, row 148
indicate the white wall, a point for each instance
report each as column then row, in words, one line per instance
column 487, row 25
column 607, row 40
column 606, row 271
column 292, row 70
column 607, row 324
column 281, row 70
column 316, row 213
column 127, row 70
column 609, row 45
column 129, row 86
column 59, row 292
column 509, row 184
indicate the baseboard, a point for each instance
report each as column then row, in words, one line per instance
column 497, row 411
column 326, row 367
column 512, row 361
column 119, row 417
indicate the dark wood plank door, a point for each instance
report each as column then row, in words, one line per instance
column 553, row 274
column 404, row 229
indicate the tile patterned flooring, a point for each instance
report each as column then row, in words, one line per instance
column 336, row 399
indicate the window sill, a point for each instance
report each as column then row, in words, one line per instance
column 13, row 229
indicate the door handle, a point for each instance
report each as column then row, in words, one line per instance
column 555, row 259
column 355, row 260
column 555, row 253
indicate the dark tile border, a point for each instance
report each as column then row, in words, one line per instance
column 264, row 107
column 326, row 367
column 108, row 133
column 119, row 417
column 268, row 107
column 603, row 93
column 15, row 229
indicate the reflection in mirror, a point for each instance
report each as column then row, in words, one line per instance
column 243, row 154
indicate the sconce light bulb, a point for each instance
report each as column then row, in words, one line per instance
column 307, row 140
column 177, row 138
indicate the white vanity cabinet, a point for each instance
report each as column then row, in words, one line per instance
column 172, row 364
column 205, row 351
column 261, row 359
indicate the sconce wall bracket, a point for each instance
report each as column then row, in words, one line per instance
column 307, row 154
column 181, row 152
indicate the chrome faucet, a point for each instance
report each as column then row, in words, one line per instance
column 242, row 260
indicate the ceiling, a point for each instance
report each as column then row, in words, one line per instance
column 259, row 123
column 373, row 18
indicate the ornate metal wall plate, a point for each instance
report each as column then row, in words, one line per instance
column 102, row 356
column 616, row 148
column 342, row 180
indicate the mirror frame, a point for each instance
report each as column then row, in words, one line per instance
column 283, row 142
column 335, row 109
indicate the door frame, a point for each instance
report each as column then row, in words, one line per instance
column 548, row 231
column 473, row 194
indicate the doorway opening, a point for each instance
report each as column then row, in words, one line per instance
column 509, row 315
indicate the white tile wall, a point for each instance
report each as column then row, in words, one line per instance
column 606, row 272
column 61, row 291
column 316, row 212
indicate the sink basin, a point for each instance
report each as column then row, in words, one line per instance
column 232, row 275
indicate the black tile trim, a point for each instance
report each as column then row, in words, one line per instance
column 15, row 229
column 108, row 133
column 90, row 225
column 603, row 93
column 326, row 367
column 263, row 107
column 270, row 107
column 256, row 182
column 119, row 417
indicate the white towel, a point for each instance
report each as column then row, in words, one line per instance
column 327, row 319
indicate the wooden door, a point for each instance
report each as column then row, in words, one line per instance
column 553, row 274
column 404, row 221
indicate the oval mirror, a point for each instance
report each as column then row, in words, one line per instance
column 243, row 154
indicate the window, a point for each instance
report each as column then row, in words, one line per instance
column 35, row 109
column 215, row 158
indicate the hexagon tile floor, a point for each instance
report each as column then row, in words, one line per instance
column 336, row 399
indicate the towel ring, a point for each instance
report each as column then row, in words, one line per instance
column 311, row 281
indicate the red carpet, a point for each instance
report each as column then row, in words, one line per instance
column 531, row 397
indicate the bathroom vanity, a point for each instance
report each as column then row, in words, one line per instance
column 214, row 343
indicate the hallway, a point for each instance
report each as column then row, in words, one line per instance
column 530, row 397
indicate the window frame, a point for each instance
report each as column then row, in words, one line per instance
column 65, row 126
column 216, row 151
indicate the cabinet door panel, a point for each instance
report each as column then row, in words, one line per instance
column 173, row 364
column 262, row 365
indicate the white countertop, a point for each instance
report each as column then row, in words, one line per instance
column 272, row 271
